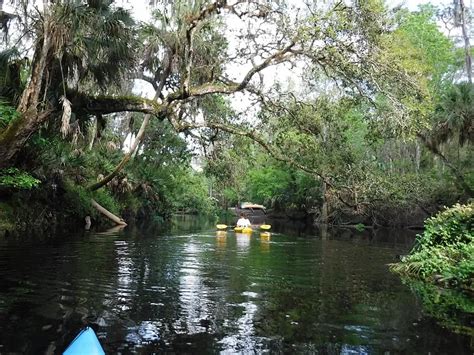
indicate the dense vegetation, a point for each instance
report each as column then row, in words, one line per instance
column 444, row 253
column 440, row 267
column 371, row 124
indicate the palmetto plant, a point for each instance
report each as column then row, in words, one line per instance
column 11, row 84
column 455, row 115
column 166, row 41
column 78, row 45
column 90, row 41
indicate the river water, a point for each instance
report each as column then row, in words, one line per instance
column 188, row 289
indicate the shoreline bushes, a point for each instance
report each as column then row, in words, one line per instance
column 444, row 253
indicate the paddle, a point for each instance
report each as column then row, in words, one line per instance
column 265, row 226
column 221, row 226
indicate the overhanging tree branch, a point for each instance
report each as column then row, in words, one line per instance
column 281, row 56
column 94, row 105
column 255, row 137
column 182, row 126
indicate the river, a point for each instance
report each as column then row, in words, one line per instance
column 189, row 289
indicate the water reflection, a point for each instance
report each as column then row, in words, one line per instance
column 156, row 292
column 242, row 340
column 243, row 241
column 112, row 231
column 265, row 242
column 146, row 332
column 192, row 292
column 221, row 239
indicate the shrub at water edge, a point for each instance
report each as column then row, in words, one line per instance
column 444, row 253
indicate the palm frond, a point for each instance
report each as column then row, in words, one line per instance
column 10, row 78
column 455, row 115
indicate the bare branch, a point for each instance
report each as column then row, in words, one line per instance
column 281, row 56
column 148, row 79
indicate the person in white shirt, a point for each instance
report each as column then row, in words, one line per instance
column 243, row 221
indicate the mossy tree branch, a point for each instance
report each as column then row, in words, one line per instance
column 94, row 105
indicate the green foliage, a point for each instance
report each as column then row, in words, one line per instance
column 6, row 216
column 230, row 195
column 17, row 179
column 11, row 75
column 445, row 251
column 106, row 199
column 436, row 52
column 79, row 199
column 452, row 226
column 280, row 187
column 103, row 57
column 454, row 115
column 191, row 193
column 7, row 114
column 227, row 166
column 267, row 184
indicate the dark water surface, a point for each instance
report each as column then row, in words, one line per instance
column 191, row 290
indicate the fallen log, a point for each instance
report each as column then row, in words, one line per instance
column 108, row 214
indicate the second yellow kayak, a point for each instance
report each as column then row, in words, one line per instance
column 243, row 230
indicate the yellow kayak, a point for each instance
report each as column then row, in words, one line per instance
column 243, row 229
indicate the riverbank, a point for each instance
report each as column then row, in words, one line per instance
column 383, row 217
column 59, row 203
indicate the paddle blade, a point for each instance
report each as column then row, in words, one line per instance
column 221, row 226
column 265, row 227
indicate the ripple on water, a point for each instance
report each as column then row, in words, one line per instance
column 198, row 293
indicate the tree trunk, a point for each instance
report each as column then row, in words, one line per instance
column 465, row 35
column 417, row 156
column 17, row 133
column 93, row 133
column 324, row 187
column 324, row 207
column 14, row 137
column 29, row 98
column 126, row 157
